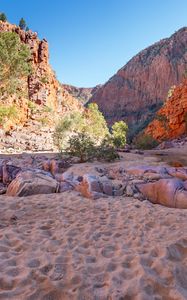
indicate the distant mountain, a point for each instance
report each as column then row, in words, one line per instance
column 138, row 89
column 82, row 94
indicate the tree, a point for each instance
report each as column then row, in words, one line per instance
column 3, row 17
column 81, row 145
column 22, row 24
column 119, row 130
column 96, row 124
column 145, row 142
column 90, row 121
column 14, row 62
column 27, row 28
column 85, row 135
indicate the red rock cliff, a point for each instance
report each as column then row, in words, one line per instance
column 33, row 127
column 43, row 87
column 171, row 120
column 138, row 90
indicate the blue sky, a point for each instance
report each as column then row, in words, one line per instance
column 90, row 40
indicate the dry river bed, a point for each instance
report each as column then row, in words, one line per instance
column 64, row 246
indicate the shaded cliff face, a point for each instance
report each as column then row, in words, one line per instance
column 43, row 87
column 138, row 90
column 171, row 120
column 82, row 94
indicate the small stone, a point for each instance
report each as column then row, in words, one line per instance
column 129, row 191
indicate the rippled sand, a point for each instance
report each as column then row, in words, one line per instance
column 63, row 246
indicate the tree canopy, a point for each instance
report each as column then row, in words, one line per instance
column 85, row 134
column 119, row 130
column 90, row 122
column 3, row 17
column 14, row 62
column 22, row 24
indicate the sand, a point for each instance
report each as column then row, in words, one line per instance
column 63, row 246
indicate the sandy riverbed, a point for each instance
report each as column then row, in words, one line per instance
column 68, row 247
column 63, row 246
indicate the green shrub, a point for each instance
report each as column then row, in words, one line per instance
column 14, row 62
column 32, row 106
column 44, row 121
column 145, row 142
column 119, row 130
column 7, row 112
column 44, row 79
column 82, row 146
column 106, row 150
column 47, row 109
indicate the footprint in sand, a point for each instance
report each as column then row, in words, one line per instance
column 34, row 263
column 13, row 272
column 108, row 251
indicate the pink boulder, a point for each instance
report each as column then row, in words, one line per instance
column 168, row 192
column 180, row 173
column 90, row 187
column 142, row 170
column 8, row 172
column 32, row 182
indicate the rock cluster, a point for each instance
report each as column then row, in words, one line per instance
column 175, row 143
column 171, row 120
column 160, row 185
column 18, row 140
column 138, row 89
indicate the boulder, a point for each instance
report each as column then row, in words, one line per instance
column 8, row 172
column 3, row 188
column 165, row 145
column 94, row 187
column 143, row 170
column 181, row 199
column 180, row 173
column 65, row 186
column 168, row 192
column 90, row 187
column 55, row 166
column 130, row 190
column 32, row 182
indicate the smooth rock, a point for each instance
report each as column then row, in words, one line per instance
column 32, row 182
column 168, row 192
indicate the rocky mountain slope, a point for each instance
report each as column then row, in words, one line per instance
column 47, row 99
column 171, row 120
column 138, row 89
column 82, row 94
column 43, row 87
